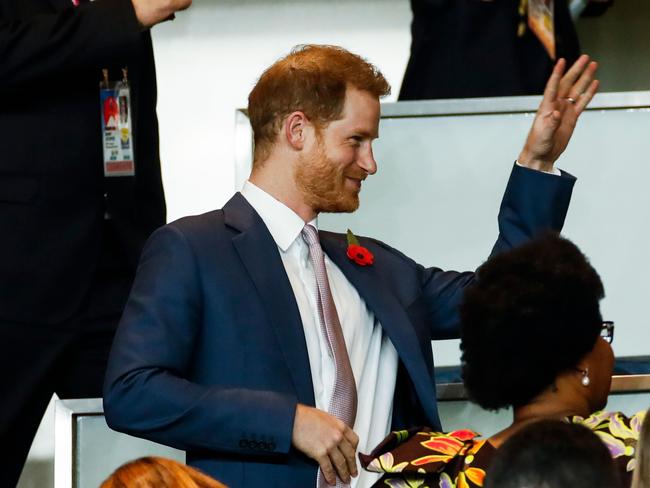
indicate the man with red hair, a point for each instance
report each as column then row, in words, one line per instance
column 257, row 343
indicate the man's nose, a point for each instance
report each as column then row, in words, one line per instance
column 367, row 161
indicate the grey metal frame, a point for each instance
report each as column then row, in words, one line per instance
column 499, row 105
column 65, row 414
column 622, row 384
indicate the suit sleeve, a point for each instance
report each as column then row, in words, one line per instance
column 92, row 35
column 148, row 392
column 533, row 202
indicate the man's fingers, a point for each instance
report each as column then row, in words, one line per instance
column 550, row 92
column 584, row 81
column 569, row 79
column 350, row 454
column 352, row 438
column 586, row 97
column 578, row 92
column 327, row 469
column 340, row 463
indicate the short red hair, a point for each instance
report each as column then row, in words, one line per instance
column 311, row 79
column 158, row 472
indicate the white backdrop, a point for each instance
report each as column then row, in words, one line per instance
column 209, row 58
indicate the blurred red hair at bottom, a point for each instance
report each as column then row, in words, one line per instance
column 158, row 472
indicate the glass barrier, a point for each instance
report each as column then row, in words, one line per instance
column 87, row 451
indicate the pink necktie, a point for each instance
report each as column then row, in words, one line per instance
column 343, row 404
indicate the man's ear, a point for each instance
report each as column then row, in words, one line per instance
column 296, row 126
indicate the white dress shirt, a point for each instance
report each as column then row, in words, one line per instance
column 372, row 355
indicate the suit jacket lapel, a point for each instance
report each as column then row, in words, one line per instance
column 391, row 315
column 261, row 258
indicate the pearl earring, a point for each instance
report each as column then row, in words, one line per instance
column 585, row 377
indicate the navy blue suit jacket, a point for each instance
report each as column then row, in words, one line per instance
column 210, row 355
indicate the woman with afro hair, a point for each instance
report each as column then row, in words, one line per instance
column 532, row 338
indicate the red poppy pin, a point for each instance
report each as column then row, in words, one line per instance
column 358, row 253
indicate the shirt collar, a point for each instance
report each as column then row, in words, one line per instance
column 283, row 223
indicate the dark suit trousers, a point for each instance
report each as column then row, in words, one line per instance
column 68, row 359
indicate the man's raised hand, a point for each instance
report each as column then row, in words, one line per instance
column 565, row 97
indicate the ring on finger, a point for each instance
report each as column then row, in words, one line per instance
column 570, row 100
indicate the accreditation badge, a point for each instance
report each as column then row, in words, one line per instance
column 117, row 136
column 541, row 22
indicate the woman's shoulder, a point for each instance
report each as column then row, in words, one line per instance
column 615, row 424
column 619, row 432
column 450, row 459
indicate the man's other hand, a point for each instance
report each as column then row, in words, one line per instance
column 326, row 439
column 151, row 12
column 565, row 97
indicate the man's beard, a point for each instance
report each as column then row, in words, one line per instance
column 322, row 184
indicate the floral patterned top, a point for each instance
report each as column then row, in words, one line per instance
column 421, row 458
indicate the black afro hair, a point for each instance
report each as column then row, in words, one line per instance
column 532, row 314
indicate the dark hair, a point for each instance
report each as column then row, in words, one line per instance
column 532, row 314
column 312, row 79
column 552, row 454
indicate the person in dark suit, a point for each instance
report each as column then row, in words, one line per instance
column 71, row 238
column 481, row 48
column 263, row 358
